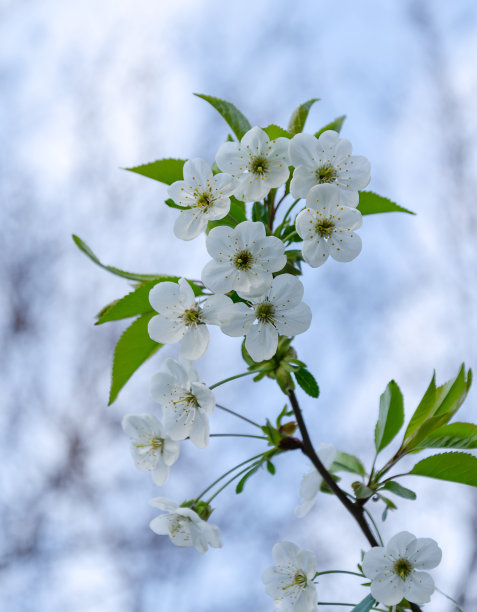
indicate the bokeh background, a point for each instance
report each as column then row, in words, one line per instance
column 88, row 88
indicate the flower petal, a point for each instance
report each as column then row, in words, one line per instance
column 285, row 553
column 286, row 292
column 165, row 296
column 293, row 321
column 165, row 331
column 261, row 341
column 427, row 554
column 195, row 342
column 303, row 150
column 220, row 243
column 255, row 140
column 231, row 158
column 199, row 432
column 237, row 320
column 418, row 587
column 304, row 179
column 387, row 588
column 160, row 473
column 315, row 251
column 376, row 561
column 397, row 545
column 197, row 172
column 344, row 246
column 189, row 224
column 218, row 277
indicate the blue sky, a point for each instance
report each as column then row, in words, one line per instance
column 90, row 88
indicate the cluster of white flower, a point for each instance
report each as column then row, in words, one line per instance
column 247, row 260
column 393, row 571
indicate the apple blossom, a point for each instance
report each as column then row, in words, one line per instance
column 394, row 569
column 327, row 159
column 185, row 400
column 290, row 583
column 244, row 259
column 151, row 446
column 277, row 311
column 184, row 526
column 182, row 318
column 311, row 482
column 206, row 197
column 327, row 227
column 258, row 163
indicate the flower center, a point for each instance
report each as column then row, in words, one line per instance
column 243, row 260
column 259, row 165
column 204, row 200
column 403, row 568
column 325, row 228
column 192, row 316
column 265, row 312
column 157, row 443
column 300, row 578
column 326, row 174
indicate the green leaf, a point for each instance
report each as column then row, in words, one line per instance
column 307, row 382
column 166, row 171
column 132, row 350
column 397, row 489
column 235, row 216
column 275, row 131
column 270, row 467
column 236, row 120
column 365, row 605
column 371, row 203
column 137, row 302
column 391, row 416
column 335, row 125
column 260, row 213
column 130, row 275
column 347, row 463
column 437, row 407
column 172, row 204
column 299, row 117
column 243, row 480
column 456, row 467
column 131, row 305
column 390, row 505
column 455, row 435
column 361, row 491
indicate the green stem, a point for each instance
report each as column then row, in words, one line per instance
column 235, row 435
column 351, row 605
column 238, row 415
column 248, row 373
column 374, row 525
column 338, row 572
column 226, row 474
column 249, row 467
column 289, row 210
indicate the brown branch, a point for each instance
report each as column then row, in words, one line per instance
column 354, row 509
column 308, row 449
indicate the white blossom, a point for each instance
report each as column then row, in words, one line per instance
column 311, row 482
column 395, row 569
column 151, row 446
column 186, row 402
column 327, row 159
column 244, row 259
column 290, row 583
column 182, row 318
column 184, row 526
column 258, row 163
column 327, row 227
column 206, row 197
column 277, row 311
